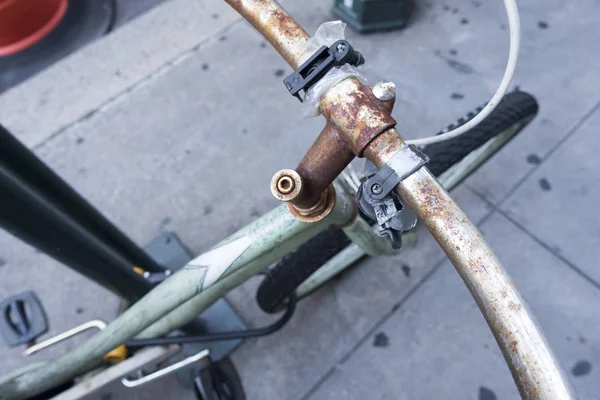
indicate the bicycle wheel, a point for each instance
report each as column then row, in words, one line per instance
column 451, row 161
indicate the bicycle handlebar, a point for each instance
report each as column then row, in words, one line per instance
column 533, row 365
column 278, row 27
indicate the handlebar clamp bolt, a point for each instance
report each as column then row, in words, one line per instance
column 384, row 90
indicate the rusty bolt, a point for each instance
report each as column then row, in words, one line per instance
column 384, row 90
column 286, row 185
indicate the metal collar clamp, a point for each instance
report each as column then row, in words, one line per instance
column 377, row 200
column 404, row 163
column 319, row 64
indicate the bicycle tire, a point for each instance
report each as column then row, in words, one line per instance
column 293, row 269
column 516, row 107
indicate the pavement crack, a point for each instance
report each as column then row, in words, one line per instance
column 550, row 249
column 369, row 333
column 542, row 160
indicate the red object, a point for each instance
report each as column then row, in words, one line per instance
column 25, row 22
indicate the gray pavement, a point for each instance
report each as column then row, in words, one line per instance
column 178, row 120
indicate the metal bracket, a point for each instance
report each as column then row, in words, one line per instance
column 378, row 201
column 130, row 383
column 319, row 64
column 93, row 324
column 404, row 163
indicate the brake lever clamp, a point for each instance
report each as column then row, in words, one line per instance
column 313, row 69
column 376, row 197
column 387, row 212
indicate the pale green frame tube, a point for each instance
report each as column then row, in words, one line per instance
column 212, row 274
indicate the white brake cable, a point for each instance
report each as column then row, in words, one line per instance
column 514, row 27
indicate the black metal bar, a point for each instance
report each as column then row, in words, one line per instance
column 41, row 209
column 24, row 164
column 36, row 221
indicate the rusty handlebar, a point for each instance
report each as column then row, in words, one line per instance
column 360, row 125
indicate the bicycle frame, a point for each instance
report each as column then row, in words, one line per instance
column 188, row 292
column 180, row 298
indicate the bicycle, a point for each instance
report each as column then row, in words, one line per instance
column 319, row 194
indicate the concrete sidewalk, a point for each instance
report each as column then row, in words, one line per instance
column 178, row 120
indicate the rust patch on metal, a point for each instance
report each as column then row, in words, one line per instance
column 357, row 113
column 521, row 372
column 508, row 337
column 318, row 211
column 323, row 162
column 433, row 207
column 514, row 306
column 277, row 26
column 284, row 23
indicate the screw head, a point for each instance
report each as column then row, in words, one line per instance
column 341, row 47
column 376, row 188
